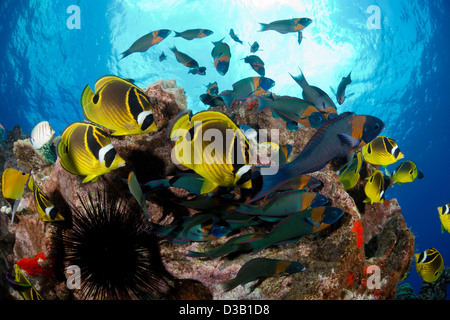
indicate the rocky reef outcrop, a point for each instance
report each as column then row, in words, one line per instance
column 362, row 256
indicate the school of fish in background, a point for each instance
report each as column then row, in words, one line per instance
column 294, row 210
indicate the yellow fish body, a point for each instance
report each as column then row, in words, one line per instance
column 213, row 146
column 382, row 151
column 350, row 176
column 118, row 105
column 13, row 183
column 374, row 188
column 444, row 216
column 86, row 150
column 45, row 208
column 406, row 172
column 23, row 285
column 429, row 264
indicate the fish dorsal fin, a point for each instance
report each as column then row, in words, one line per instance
column 325, row 126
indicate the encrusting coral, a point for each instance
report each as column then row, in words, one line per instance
column 340, row 261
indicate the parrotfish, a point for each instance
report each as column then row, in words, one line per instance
column 162, row 57
column 349, row 177
column 340, row 94
column 143, row 43
column 86, row 150
column 382, row 151
column 213, row 101
column 179, row 233
column 374, row 188
column 261, row 269
column 297, row 225
column 223, row 162
column 221, row 54
column 193, row 33
column 286, row 26
column 444, row 216
column 246, row 87
column 184, row 59
column 429, row 264
column 303, row 181
column 233, row 245
column 293, row 109
column 337, row 138
column 235, row 37
column 13, row 186
column 118, row 105
column 285, row 203
column 45, row 208
column 212, row 89
column 198, row 70
column 406, row 172
column 256, row 63
column 315, row 95
column 254, row 47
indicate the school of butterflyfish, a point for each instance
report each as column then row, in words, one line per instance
column 293, row 209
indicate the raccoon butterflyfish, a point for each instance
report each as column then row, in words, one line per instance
column 86, row 150
column 23, row 285
column 429, row 264
column 406, row 172
column 382, row 151
column 261, row 269
column 45, row 208
column 119, row 106
column 336, row 138
column 374, row 188
column 13, row 185
column 444, row 216
column 349, row 177
column 223, row 162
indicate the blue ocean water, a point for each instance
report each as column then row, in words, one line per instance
column 399, row 69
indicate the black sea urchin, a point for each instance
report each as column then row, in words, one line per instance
column 112, row 251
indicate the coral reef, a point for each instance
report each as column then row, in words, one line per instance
column 338, row 265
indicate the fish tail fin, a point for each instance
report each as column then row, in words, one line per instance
column 264, row 26
column 177, row 34
column 300, row 79
column 273, row 181
column 262, row 104
column 228, row 285
column 125, row 54
column 227, row 98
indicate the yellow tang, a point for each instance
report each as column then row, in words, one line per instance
column 382, row 151
column 374, row 188
column 45, row 208
column 444, row 215
column 429, row 264
column 23, row 285
column 119, row 106
column 406, row 172
column 13, row 183
column 212, row 145
column 350, row 176
column 86, row 150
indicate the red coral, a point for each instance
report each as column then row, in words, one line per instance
column 358, row 230
column 350, row 279
column 32, row 266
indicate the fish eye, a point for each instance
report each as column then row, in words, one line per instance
column 323, row 103
column 376, row 126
